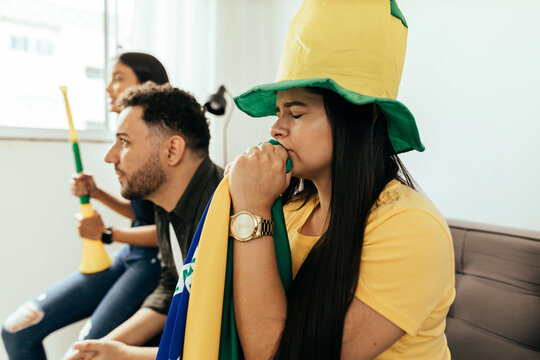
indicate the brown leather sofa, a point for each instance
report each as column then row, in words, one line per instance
column 496, row 314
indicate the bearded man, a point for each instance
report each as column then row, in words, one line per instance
column 160, row 154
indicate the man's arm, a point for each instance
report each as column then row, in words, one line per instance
column 140, row 328
column 110, row 350
column 125, row 341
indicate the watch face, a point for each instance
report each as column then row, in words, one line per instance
column 243, row 226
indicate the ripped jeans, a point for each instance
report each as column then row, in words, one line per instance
column 109, row 298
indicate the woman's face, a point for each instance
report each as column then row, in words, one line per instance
column 122, row 78
column 304, row 130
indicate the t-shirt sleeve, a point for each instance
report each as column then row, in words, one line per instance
column 406, row 268
column 160, row 300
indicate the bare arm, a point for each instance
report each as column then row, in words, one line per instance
column 125, row 341
column 93, row 227
column 366, row 333
column 260, row 304
column 119, row 205
column 83, row 184
column 110, row 350
column 140, row 328
column 138, row 236
column 256, row 180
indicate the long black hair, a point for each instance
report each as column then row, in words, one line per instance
column 145, row 66
column 363, row 162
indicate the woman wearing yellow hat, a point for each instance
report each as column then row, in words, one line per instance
column 372, row 258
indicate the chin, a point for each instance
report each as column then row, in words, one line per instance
column 127, row 194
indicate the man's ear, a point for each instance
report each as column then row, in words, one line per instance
column 176, row 149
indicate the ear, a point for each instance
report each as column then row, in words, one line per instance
column 176, row 150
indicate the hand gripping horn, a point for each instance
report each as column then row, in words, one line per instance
column 94, row 256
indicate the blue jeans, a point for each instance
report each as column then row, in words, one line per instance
column 109, row 297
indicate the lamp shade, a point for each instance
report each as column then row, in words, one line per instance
column 217, row 103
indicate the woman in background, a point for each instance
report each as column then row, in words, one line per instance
column 111, row 296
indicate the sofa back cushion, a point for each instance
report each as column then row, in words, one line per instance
column 496, row 314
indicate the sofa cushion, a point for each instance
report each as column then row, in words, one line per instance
column 496, row 314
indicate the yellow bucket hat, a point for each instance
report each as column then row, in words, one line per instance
column 355, row 48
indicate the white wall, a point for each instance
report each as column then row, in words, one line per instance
column 249, row 37
column 471, row 79
column 39, row 243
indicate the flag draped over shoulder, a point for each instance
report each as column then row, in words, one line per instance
column 200, row 323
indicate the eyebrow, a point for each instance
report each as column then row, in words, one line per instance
column 118, row 134
column 291, row 104
column 117, row 73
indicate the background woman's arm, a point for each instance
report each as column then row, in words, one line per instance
column 119, row 205
column 93, row 227
column 83, row 184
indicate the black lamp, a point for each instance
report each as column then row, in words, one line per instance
column 217, row 105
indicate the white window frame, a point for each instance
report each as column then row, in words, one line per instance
column 104, row 135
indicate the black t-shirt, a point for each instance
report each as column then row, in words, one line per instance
column 184, row 219
column 143, row 211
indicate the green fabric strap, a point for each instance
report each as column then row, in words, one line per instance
column 84, row 199
column 229, row 344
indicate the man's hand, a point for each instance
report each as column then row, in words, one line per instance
column 90, row 228
column 100, row 350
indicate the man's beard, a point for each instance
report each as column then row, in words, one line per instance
column 144, row 181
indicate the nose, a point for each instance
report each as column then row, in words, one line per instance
column 279, row 128
column 112, row 156
column 108, row 89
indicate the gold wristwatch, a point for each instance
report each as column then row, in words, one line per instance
column 246, row 226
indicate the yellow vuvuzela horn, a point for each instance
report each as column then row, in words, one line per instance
column 94, row 256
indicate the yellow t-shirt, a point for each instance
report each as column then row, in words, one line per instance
column 406, row 268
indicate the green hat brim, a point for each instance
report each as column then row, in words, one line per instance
column 260, row 101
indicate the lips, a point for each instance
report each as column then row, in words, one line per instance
column 119, row 172
column 289, row 151
column 285, row 147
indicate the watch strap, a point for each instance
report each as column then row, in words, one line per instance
column 266, row 227
column 106, row 236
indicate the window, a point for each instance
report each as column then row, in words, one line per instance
column 49, row 43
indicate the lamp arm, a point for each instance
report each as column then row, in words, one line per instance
column 226, row 125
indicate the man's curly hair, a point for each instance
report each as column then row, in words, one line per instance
column 171, row 110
